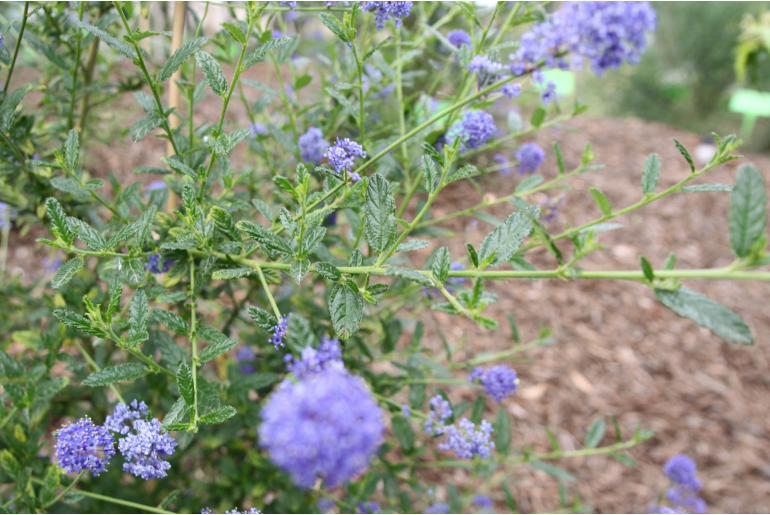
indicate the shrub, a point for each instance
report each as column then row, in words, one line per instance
column 231, row 322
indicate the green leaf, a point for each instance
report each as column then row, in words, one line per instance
column 184, row 381
column 686, row 155
column 328, row 271
column 472, row 254
column 698, row 188
column 553, row 471
column 144, row 126
column 334, row 25
column 379, row 214
column 440, row 264
column 647, row 268
column 115, row 374
column 748, row 215
column 219, row 343
column 170, row 320
column 403, row 432
column 602, row 201
column 235, row 32
column 431, row 173
column 529, row 183
column 231, row 273
column 538, row 117
column 8, row 107
column 110, row 40
column 71, row 186
column 138, row 316
column 9, row 464
column 271, row 243
column 116, row 292
column 72, row 150
column 59, row 225
column 502, row 243
column 263, row 319
column 179, row 57
column 87, row 234
column 595, row 433
column 346, row 307
column 212, row 71
column 260, row 53
column 78, row 322
column 66, row 272
column 722, row 321
column 409, row 275
column 218, row 415
column 502, row 428
column 559, row 157
column 651, row 173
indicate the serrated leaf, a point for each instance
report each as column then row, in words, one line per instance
column 78, row 322
column 144, row 126
column 327, row 271
column 346, row 307
column 379, row 214
column 411, row 245
column 299, row 268
column 698, row 188
column 212, row 71
column 722, row 321
column 409, row 275
column 138, row 316
column 69, row 185
column 66, row 272
column 748, row 215
column 87, row 234
column 179, row 57
column 595, row 433
column 109, row 39
column 271, row 243
column 219, row 415
column 115, row 374
column 170, row 320
column 260, row 53
column 529, row 183
column 184, row 382
column 650, row 173
column 59, row 221
column 440, row 264
column 72, row 150
column 263, row 319
column 602, row 201
column 8, row 107
column 231, row 273
column 431, row 174
column 685, row 154
column 219, row 343
column 333, row 24
column 503, row 242
column 502, row 431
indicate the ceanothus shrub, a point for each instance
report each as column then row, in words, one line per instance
column 234, row 325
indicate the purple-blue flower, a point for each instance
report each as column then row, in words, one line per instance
column 155, row 266
column 686, row 498
column 312, row 145
column 439, row 507
column 245, row 358
column 155, row 185
column 474, row 129
column 440, row 412
column 459, row 38
column 326, row 426
column 5, row 215
column 681, row 469
column 122, row 418
column 384, row 11
column 342, row 155
column 279, row 332
column 511, row 90
column 368, row 507
column 530, row 156
column 483, row 502
column 82, row 446
column 498, row 381
column 467, row 440
column 312, row 361
column 146, row 449
column 257, row 129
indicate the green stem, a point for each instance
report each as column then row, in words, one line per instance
column 193, row 342
column 269, row 295
column 114, row 500
column 64, row 490
column 95, row 366
column 16, row 49
column 75, row 69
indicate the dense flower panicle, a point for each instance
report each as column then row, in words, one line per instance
column 312, row 361
column 681, row 469
column 325, row 505
column 326, row 426
column 156, row 266
column 498, row 381
column 483, row 66
column 468, row 441
column 459, row 38
column 439, row 507
column 511, row 90
column 440, row 412
column 342, row 155
column 245, row 358
column 123, row 416
column 686, row 498
column 146, row 449
column 312, row 145
column 530, row 156
column 384, row 11
column 682, row 472
column 82, row 446
column 607, row 34
column 279, row 332
column 483, row 502
column 474, row 129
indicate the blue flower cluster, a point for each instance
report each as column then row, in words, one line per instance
column 326, row 426
column 485, row 69
column 342, row 156
column 313, row 361
column 474, row 129
column 439, row 507
column 156, row 266
column 683, row 494
column 483, row 502
column 245, row 358
column 257, row 129
column 498, row 381
column 384, row 11
column 146, row 450
column 467, row 440
column 279, row 332
column 312, row 145
column 459, row 38
column 530, row 156
column 440, row 412
column 143, row 443
column 607, row 34
column 82, row 446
